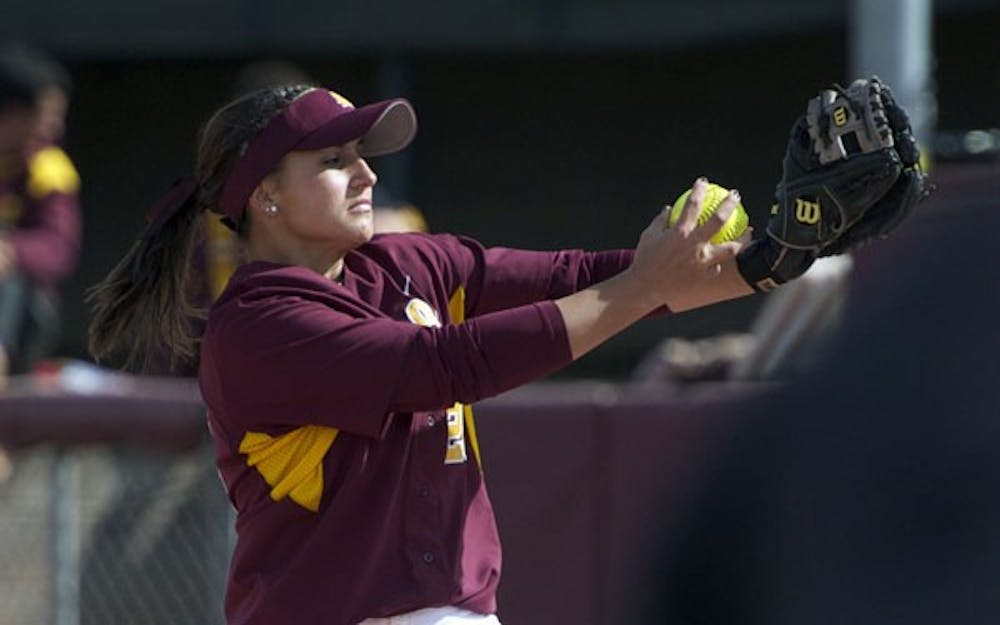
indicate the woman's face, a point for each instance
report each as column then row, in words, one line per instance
column 324, row 197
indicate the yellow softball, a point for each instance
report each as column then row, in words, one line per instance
column 714, row 194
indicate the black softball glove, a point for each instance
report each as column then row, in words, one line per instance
column 842, row 159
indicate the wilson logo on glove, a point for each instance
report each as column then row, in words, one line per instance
column 806, row 212
column 840, row 116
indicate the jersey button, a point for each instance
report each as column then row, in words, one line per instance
column 430, row 421
column 428, row 557
column 424, row 491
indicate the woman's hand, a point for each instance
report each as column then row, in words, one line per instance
column 675, row 266
column 679, row 266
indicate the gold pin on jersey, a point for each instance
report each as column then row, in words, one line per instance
column 421, row 313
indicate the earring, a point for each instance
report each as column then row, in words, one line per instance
column 271, row 210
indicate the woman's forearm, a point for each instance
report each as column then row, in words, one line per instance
column 599, row 312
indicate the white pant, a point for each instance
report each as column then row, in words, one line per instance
column 447, row 615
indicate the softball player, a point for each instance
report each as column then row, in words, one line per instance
column 338, row 367
column 40, row 228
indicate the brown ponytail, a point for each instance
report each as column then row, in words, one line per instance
column 142, row 308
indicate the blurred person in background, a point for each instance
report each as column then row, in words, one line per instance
column 267, row 73
column 392, row 217
column 40, row 226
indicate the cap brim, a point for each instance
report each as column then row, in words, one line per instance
column 383, row 127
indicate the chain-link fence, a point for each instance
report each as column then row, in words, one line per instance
column 107, row 535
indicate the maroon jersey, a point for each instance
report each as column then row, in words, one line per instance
column 40, row 215
column 341, row 430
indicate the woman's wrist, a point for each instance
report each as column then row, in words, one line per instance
column 764, row 263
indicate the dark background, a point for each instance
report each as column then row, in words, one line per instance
column 543, row 125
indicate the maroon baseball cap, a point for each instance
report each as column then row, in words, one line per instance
column 318, row 119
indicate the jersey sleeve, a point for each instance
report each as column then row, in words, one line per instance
column 288, row 362
column 497, row 278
